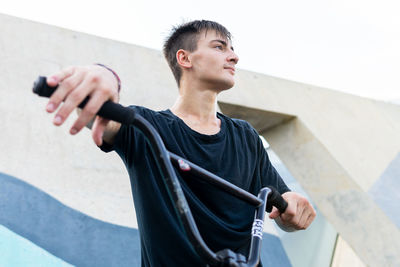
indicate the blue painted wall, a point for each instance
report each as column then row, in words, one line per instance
column 17, row 251
column 64, row 232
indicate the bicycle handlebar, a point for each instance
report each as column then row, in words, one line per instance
column 109, row 110
column 267, row 197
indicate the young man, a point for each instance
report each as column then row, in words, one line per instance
column 203, row 62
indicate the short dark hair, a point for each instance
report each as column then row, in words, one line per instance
column 186, row 36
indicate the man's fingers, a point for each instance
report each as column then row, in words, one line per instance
column 73, row 99
column 310, row 219
column 98, row 129
column 52, row 81
column 65, row 87
column 274, row 213
column 292, row 216
column 306, row 213
column 303, row 216
column 290, row 211
column 55, row 79
column 311, row 215
column 298, row 215
column 58, row 77
column 88, row 112
column 74, row 85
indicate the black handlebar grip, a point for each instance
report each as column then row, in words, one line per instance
column 108, row 110
column 275, row 199
column 41, row 88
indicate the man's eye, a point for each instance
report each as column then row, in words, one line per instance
column 219, row 47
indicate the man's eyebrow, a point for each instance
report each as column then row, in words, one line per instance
column 222, row 42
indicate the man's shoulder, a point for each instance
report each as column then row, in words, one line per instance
column 149, row 113
column 238, row 123
column 142, row 109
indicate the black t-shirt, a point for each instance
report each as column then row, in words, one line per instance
column 235, row 153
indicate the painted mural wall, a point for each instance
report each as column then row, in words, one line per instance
column 38, row 230
column 63, row 202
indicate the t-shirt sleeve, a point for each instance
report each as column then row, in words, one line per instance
column 123, row 141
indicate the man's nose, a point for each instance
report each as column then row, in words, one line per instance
column 233, row 57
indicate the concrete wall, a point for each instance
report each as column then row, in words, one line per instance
column 344, row 149
column 62, row 201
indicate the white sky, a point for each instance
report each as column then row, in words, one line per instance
column 351, row 46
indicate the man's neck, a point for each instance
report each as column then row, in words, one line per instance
column 197, row 108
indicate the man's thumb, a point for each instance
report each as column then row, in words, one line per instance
column 274, row 213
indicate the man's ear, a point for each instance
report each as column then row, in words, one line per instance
column 182, row 57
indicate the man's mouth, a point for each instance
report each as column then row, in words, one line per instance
column 232, row 69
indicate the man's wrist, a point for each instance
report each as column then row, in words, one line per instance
column 114, row 73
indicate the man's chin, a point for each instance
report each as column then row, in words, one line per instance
column 226, row 84
column 227, row 88
column 222, row 85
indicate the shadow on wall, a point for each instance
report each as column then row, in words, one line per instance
column 79, row 239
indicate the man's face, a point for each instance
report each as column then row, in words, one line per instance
column 213, row 62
